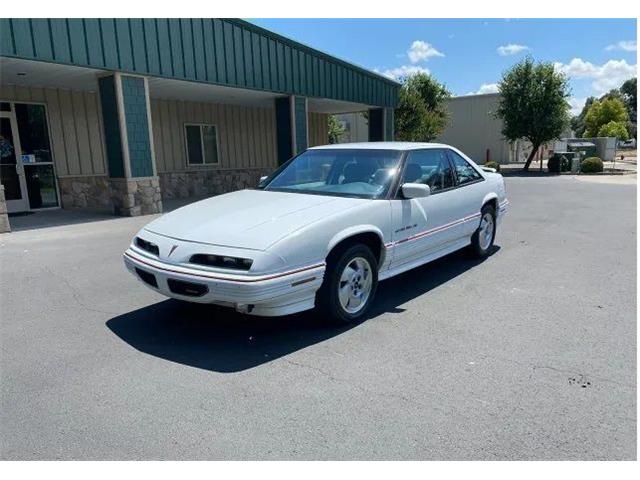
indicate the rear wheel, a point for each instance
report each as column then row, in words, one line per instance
column 483, row 237
column 349, row 285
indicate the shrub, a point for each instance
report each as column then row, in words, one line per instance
column 492, row 164
column 591, row 165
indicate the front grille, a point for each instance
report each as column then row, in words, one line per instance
column 148, row 278
column 188, row 289
column 147, row 246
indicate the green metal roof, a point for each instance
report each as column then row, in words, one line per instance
column 229, row 52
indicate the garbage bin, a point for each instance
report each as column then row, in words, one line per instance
column 561, row 162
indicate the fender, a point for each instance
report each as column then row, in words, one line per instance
column 490, row 196
column 355, row 230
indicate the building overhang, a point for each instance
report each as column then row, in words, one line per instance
column 34, row 74
column 227, row 53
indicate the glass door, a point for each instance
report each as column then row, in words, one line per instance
column 36, row 157
column 11, row 171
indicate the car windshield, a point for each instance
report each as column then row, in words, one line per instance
column 361, row 173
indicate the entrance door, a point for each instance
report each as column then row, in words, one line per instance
column 11, row 170
column 36, row 158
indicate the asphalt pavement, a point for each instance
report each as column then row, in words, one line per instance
column 530, row 354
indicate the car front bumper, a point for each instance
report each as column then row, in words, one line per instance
column 279, row 293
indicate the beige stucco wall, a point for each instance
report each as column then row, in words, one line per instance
column 247, row 135
column 473, row 128
column 75, row 125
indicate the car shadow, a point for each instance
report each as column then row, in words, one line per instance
column 222, row 340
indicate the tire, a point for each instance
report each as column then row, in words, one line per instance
column 349, row 285
column 482, row 239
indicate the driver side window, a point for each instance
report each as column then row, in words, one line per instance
column 430, row 167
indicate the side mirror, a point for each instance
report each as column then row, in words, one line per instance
column 415, row 190
column 262, row 179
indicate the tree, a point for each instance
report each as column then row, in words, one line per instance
column 629, row 90
column 627, row 94
column 336, row 129
column 533, row 104
column 614, row 129
column 602, row 112
column 577, row 123
column 421, row 114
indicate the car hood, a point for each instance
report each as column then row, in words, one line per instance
column 252, row 219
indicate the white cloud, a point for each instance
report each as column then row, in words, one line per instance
column 421, row 51
column 404, row 71
column 577, row 104
column 511, row 49
column 485, row 88
column 605, row 77
column 624, row 45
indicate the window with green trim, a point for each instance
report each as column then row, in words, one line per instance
column 202, row 144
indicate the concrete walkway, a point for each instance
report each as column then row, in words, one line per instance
column 58, row 216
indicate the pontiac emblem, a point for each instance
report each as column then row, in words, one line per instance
column 172, row 250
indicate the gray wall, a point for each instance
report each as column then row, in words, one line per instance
column 473, row 128
column 356, row 127
column 75, row 125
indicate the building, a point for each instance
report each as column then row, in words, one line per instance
column 118, row 114
column 356, row 127
column 474, row 129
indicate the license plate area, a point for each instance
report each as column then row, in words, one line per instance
column 188, row 289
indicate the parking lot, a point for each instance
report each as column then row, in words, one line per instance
column 530, row 354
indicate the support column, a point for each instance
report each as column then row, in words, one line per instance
column 135, row 186
column 381, row 125
column 292, row 127
column 4, row 218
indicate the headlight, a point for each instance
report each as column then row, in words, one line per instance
column 220, row 261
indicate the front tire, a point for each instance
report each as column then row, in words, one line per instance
column 349, row 285
column 482, row 239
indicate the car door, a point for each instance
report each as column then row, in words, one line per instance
column 424, row 225
column 469, row 193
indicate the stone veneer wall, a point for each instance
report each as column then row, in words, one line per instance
column 4, row 218
column 90, row 193
column 136, row 196
column 200, row 183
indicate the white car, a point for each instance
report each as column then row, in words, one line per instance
column 323, row 229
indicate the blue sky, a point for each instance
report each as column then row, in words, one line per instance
column 466, row 54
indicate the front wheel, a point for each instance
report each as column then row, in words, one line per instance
column 482, row 239
column 350, row 284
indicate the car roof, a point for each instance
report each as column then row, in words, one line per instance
column 404, row 146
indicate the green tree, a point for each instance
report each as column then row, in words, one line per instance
column 577, row 123
column 336, row 129
column 421, row 114
column 533, row 103
column 629, row 90
column 602, row 112
column 614, row 129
